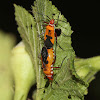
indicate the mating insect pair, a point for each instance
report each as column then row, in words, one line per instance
column 48, row 57
column 47, row 54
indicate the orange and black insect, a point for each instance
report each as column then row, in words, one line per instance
column 48, row 60
column 47, row 54
column 47, row 57
column 50, row 34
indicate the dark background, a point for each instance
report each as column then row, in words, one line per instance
column 83, row 16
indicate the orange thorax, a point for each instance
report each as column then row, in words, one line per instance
column 50, row 32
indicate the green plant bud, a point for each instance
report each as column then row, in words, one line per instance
column 83, row 71
column 95, row 62
column 23, row 72
column 7, row 42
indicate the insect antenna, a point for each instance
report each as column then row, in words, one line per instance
column 57, row 19
column 45, row 15
column 63, row 60
column 60, row 47
column 66, row 35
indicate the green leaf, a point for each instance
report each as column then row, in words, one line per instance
column 28, row 31
column 66, row 76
